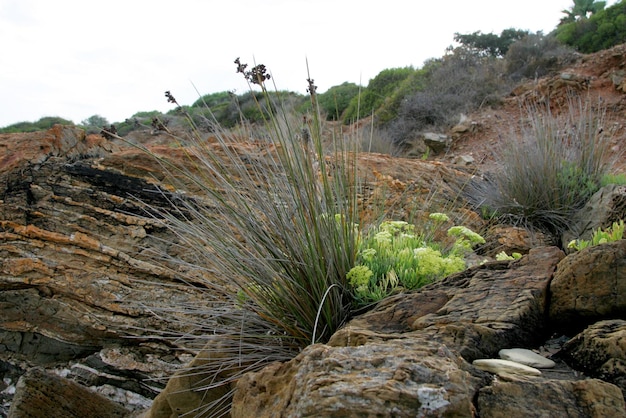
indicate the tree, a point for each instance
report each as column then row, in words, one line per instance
column 95, row 121
column 603, row 29
column 490, row 44
column 582, row 9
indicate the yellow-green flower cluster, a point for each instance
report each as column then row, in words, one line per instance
column 359, row 278
column 465, row 239
column 394, row 255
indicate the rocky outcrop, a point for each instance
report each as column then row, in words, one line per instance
column 79, row 230
column 411, row 356
column 83, row 253
column 77, row 264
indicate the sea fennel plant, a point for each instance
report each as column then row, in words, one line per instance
column 394, row 256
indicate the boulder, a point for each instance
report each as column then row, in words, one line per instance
column 588, row 286
column 600, row 351
column 75, row 276
column 495, row 305
column 438, row 143
column 401, row 376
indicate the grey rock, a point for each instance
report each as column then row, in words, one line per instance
column 526, row 357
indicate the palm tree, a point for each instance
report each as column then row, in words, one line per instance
column 582, row 9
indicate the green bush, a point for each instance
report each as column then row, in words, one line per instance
column 378, row 90
column 94, row 124
column 336, row 99
column 42, row 124
column 458, row 83
column 611, row 178
column 551, row 171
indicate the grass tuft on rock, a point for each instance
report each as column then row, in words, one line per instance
column 269, row 241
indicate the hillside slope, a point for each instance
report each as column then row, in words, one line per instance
column 599, row 78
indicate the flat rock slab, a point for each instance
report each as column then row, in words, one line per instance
column 499, row 366
column 526, row 357
column 40, row 394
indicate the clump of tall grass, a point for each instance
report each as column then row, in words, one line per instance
column 269, row 242
column 551, row 171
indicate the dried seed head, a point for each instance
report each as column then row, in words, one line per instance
column 170, row 98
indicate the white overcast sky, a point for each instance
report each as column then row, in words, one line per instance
column 77, row 58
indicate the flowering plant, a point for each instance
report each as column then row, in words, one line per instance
column 394, row 256
column 600, row 236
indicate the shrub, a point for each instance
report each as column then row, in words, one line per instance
column 95, row 124
column 551, row 171
column 336, row 99
column 42, row 124
column 611, row 178
column 455, row 84
column 536, row 55
column 377, row 91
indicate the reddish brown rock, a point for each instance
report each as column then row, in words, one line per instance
column 588, row 286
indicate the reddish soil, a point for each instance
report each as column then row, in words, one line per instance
column 599, row 78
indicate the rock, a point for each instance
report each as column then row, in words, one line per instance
column 512, row 315
column 75, row 275
column 505, row 367
column 182, row 396
column 511, row 239
column 398, row 377
column 538, row 397
column 619, row 80
column 526, row 357
column 438, row 143
column 40, row 394
column 464, row 159
column 462, row 128
column 411, row 350
column 606, row 206
column 588, row 286
column 600, row 351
